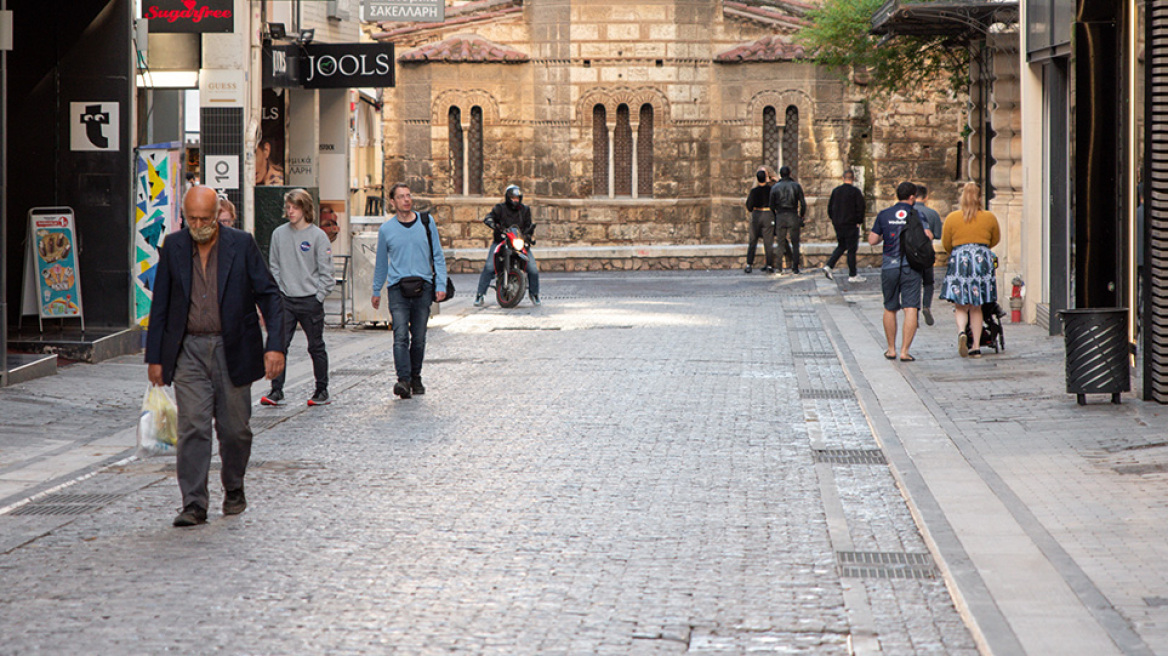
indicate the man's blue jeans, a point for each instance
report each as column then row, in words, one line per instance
column 489, row 273
column 410, row 316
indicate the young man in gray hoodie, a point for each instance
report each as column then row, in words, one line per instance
column 301, row 260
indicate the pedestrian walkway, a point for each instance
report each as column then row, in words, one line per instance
column 651, row 463
column 1049, row 518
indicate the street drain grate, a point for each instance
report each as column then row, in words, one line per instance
column 66, row 504
column 80, row 498
column 813, row 354
column 357, row 372
column 502, row 328
column 885, row 565
column 850, row 456
column 826, row 394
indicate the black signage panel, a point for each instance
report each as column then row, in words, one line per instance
column 346, row 65
column 328, row 65
column 189, row 15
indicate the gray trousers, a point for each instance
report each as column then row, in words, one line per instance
column 202, row 390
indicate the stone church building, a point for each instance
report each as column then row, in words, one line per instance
column 635, row 129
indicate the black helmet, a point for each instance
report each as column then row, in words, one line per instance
column 513, row 192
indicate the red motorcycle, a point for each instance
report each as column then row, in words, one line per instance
column 511, row 258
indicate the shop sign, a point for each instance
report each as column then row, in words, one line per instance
column 94, row 126
column 330, row 65
column 404, row 11
column 199, row 16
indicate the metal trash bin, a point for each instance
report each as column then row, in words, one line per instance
column 1096, row 352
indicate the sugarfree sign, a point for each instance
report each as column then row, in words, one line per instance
column 189, row 15
column 426, row 11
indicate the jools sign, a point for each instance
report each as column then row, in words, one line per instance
column 330, row 65
column 189, row 15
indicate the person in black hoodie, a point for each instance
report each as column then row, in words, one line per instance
column 846, row 211
column 511, row 212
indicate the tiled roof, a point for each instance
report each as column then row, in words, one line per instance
column 764, row 13
column 472, row 12
column 767, row 49
column 464, row 48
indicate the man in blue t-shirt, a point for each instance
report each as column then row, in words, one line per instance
column 900, row 283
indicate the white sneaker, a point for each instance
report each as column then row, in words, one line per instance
column 827, row 272
column 856, row 279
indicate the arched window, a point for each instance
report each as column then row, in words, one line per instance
column 645, row 152
column 599, row 151
column 475, row 146
column 622, row 153
column 791, row 141
column 454, row 136
column 770, row 138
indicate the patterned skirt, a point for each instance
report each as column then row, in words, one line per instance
column 970, row 278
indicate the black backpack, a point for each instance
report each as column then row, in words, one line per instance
column 915, row 245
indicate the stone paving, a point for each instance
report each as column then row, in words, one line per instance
column 630, row 469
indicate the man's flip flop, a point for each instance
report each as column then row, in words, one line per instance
column 908, row 359
column 889, row 357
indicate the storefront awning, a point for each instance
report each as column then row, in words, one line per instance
column 962, row 19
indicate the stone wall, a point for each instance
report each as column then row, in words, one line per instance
column 707, row 123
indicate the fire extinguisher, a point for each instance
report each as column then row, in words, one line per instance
column 1016, row 295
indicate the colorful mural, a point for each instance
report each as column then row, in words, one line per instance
column 156, row 215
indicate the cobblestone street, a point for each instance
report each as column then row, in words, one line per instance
column 658, row 464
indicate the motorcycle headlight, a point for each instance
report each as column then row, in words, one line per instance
column 518, row 242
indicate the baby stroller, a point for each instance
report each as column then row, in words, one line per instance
column 991, row 328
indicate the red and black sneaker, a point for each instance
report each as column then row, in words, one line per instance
column 274, row 397
column 321, row 397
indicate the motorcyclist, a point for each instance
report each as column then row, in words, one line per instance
column 510, row 213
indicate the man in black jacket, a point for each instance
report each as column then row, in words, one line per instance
column 846, row 211
column 790, row 210
column 510, row 213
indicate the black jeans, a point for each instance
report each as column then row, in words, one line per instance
column 788, row 226
column 762, row 225
column 309, row 313
column 847, row 238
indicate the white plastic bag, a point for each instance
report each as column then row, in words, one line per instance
column 158, row 424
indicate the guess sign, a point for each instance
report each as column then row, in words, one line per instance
column 189, row 15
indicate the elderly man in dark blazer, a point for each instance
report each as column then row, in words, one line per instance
column 205, row 337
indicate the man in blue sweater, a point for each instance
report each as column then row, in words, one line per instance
column 413, row 271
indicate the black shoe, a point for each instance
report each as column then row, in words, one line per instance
column 402, row 389
column 748, row 269
column 794, row 272
column 479, row 301
column 535, row 300
column 234, row 502
column 768, row 269
column 274, row 397
column 191, row 515
column 827, row 272
column 416, row 386
column 928, row 314
column 321, row 397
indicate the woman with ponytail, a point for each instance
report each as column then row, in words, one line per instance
column 970, row 281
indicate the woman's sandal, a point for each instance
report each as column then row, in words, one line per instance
column 975, row 353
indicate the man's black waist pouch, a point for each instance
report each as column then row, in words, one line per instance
column 412, row 287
